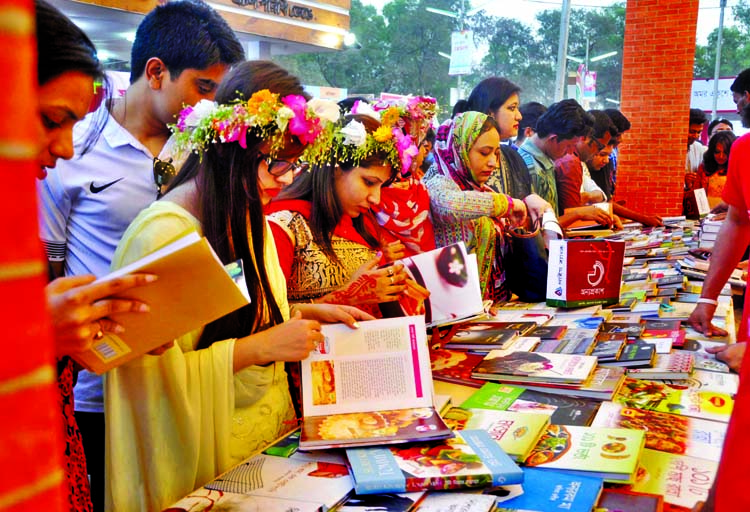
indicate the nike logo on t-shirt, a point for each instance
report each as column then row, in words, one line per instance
column 95, row 190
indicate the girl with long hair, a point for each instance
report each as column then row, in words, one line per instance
column 712, row 173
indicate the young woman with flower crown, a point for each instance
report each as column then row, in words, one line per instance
column 326, row 235
column 220, row 393
column 463, row 206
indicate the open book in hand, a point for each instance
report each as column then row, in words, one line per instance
column 193, row 289
column 371, row 385
column 451, row 277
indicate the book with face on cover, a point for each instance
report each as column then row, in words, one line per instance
column 510, row 366
column 659, row 396
column 562, row 409
column 370, row 385
column 608, row 453
column 681, row 479
column 516, row 432
column 187, row 268
column 667, row 432
column 471, row 459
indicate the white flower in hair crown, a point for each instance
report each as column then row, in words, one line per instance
column 264, row 114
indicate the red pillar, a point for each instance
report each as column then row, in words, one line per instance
column 657, row 74
column 31, row 476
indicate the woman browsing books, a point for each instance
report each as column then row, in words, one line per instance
column 220, row 393
column 462, row 206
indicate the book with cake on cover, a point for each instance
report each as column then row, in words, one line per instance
column 667, row 432
column 548, row 489
column 677, row 364
column 562, row 410
column 455, row 366
column 509, row 366
column 659, row 396
column 516, row 432
column 470, row 459
column 681, row 479
column 608, row 453
column 370, row 385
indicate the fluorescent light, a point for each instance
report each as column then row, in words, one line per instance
column 331, row 39
column 350, row 39
column 128, row 36
column 603, row 56
column 443, row 54
column 612, row 101
column 441, row 11
column 574, row 59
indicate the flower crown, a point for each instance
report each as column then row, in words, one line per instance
column 415, row 112
column 353, row 143
column 265, row 114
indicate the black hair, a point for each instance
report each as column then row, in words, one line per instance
column 429, row 136
column 186, row 34
column 741, row 84
column 697, row 116
column 621, row 122
column 317, row 187
column 231, row 209
column 460, row 107
column 530, row 111
column 490, row 94
column 725, row 138
column 602, row 125
column 347, row 104
column 566, row 119
column 718, row 121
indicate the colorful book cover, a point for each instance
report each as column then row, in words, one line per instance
column 632, row 330
column 484, row 336
column 636, row 355
column 470, row 459
column 622, row 500
column 547, row 489
column 608, row 453
column 676, row 365
column 549, row 332
column 702, row 380
column 578, row 341
column 516, row 432
column 681, row 479
column 396, row 502
column 453, row 501
column 661, row 324
column 562, row 409
column 667, row 432
column 704, row 360
column 455, row 366
column 602, row 385
column 608, row 347
column 662, row 397
column 535, row 367
column 677, row 336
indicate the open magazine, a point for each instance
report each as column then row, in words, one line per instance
column 443, row 286
column 371, row 385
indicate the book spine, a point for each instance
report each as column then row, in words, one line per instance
column 375, row 471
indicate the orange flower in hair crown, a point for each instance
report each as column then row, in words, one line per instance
column 264, row 114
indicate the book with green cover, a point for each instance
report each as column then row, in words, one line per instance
column 470, row 459
column 516, row 432
column 681, row 479
column 608, row 453
column 658, row 396
column 562, row 410
column 667, row 432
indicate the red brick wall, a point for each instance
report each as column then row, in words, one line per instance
column 657, row 73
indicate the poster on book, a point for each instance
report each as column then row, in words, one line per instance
column 462, row 52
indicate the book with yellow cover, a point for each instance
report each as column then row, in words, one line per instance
column 193, row 289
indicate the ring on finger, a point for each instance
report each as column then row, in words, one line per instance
column 391, row 278
column 99, row 333
column 390, row 271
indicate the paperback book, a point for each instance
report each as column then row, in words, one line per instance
column 623, row 500
column 471, row 459
column 667, row 432
column 510, row 366
column 635, row 355
column 608, row 453
column 455, row 366
column 562, row 409
column 602, row 385
column 486, row 336
column 608, row 347
column 371, row 385
column 703, row 380
column 549, row 490
column 675, row 365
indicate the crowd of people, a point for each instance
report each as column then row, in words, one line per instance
column 318, row 200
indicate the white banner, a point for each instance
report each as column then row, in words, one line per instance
column 702, row 95
column 462, row 52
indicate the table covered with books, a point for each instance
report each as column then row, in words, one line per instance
column 526, row 407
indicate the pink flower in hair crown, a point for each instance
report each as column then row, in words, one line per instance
column 305, row 129
column 406, row 149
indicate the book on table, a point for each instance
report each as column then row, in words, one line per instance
column 548, row 489
column 193, row 289
column 448, row 501
column 455, row 366
column 703, row 380
column 562, row 409
column 516, row 432
column 625, row 500
column 370, row 385
column 483, row 336
column 635, row 355
column 603, row 384
column 665, row 432
column 524, row 367
column 608, row 453
column 677, row 364
column 470, row 459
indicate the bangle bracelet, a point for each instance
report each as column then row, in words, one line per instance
column 704, row 300
column 510, row 205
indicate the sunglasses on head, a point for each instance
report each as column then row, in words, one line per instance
column 164, row 171
column 278, row 167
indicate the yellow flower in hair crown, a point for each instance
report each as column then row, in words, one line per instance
column 352, row 142
column 264, row 114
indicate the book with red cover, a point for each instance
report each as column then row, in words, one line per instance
column 455, row 366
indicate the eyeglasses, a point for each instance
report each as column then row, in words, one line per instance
column 164, row 171
column 599, row 145
column 278, row 167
